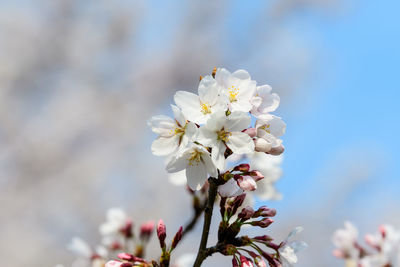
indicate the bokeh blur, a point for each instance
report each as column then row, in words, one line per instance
column 79, row 79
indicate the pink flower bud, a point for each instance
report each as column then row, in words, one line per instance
column 242, row 167
column 260, row 262
column 263, row 238
column 252, row 132
column 161, row 233
column 276, row 151
column 113, row 264
column 126, row 230
column 234, row 262
column 246, row 213
column 126, row 256
column 177, row 238
column 264, row 211
column 146, row 230
column 256, row 175
column 264, row 223
column 247, row 183
column 262, row 145
column 245, row 262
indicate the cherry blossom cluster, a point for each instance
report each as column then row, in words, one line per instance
column 381, row 250
column 211, row 129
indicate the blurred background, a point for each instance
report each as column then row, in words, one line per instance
column 79, row 79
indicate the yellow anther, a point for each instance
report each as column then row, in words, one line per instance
column 205, row 108
column 233, row 92
column 266, row 128
column 223, row 136
column 195, row 158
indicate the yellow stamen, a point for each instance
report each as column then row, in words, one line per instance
column 266, row 128
column 195, row 158
column 223, row 136
column 205, row 108
column 233, row 92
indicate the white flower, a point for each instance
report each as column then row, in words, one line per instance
column 290, row 248
column 86, row 254
column 80, row 247
column 173, row 133
column 270, row 168
column 269, row 129
column 221, row 131
column 197, row 163
column 264, row 102
column 198, row 108
column 238, row 87
column 112, row 229
column 345, row 240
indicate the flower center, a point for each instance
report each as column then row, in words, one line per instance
column 223, row 136
column 233, row 91
column 266, row 127
column 195, row 158
column 205, row 108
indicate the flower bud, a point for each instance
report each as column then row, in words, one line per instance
column 237, row 202
column 252, row 132
column 260, row 262
column 126, row 256
column 264, row 211
column 256, row 175
column 126, row 230
column 245, row 262
column 247, row 183
column 177, row 238
column 146, row 229
column 262, row 145
column 263, row 238
column 242, row 167
column 264, row 223
column 161, row 233
column 276, row 151
column 234, row 262
column 246, row 213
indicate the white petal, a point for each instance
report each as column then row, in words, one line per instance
column 222, row 76
column 163, row 146
column 178, row 115
column 216, row 121
column 162, row 125
column 190, row 105
column 298, row 246
column 177, row 163
column 241, row 105
column 294, row 232
column 210, row 166
column 178, row 178
column 208, row 90
column 80, row 247
column 237, row 122
column 217, row 155
column 230, row 189
column 191, row 131
column 196, row 175
column 241, row 74
column 240, row 143
column 207, row 137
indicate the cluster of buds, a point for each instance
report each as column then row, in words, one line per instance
column 382, row 249
column 260, row 250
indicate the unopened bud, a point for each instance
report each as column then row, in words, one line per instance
column 244, row 167
column 260, row 262
column 146, row 229
column 252, row 132
column 246, row 213
column 264, row 223
column 161, row 233
column 262, row 145
column 276, row 151
column 247, row 183
column 256, row 175
column 126, row 230
column 113, row 264
column 264, row 211
column 245, row 262
column 263, row 238
column 234, row 262
column 126, row 256
column 237, row 202
column 177, row 238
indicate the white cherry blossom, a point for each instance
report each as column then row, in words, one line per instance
column 290, row 248
column 197, row 163
column 264, row 101
column 173, row 133
column 223, row 131
column 111, row 230
column 269, row 129
column 198, row 108
column 238, row 88
column 230, row 189
column 345, row 240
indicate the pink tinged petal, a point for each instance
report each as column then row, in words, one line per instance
column 178, row 115
column 196, row 175
column 217, row 155
column 247, row 183
column 240, row 143
column 113, row 264
column 163, row 146
column 190, row 105
column 262, row 145
column 270, row 102
column 276, row 151
column 237, row 121
column 230, row 189
column 252, row 132
column 162, row 125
